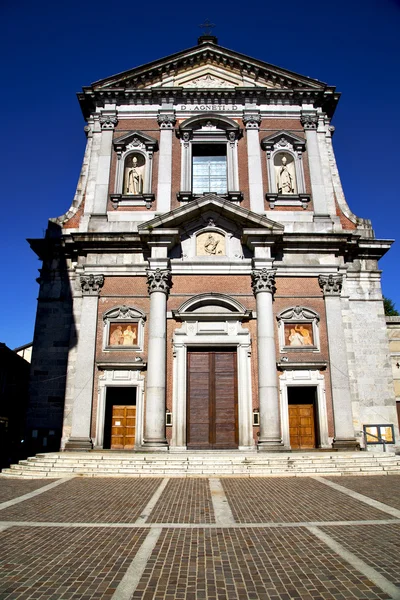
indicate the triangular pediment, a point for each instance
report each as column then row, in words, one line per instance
column 208, row 66
column 200, row 207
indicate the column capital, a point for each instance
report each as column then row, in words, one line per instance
column 331, row 285
column 91, row 284
column 263, row 280
column 252, row 119
column 159, row 281
column 108, row 120
column 309, row 120
column 166, row 120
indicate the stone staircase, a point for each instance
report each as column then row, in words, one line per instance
column 203, row 464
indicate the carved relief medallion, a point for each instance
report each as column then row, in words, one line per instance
column 210, row 243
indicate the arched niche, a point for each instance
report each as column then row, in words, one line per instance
column 284, row 154
column 133, row 178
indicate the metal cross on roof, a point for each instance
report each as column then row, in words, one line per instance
column 207, row 26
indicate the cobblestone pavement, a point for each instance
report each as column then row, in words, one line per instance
column 188, row 539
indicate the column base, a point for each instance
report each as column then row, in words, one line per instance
column 77, row 444
column 349, row 444
column 155, row 445
column 271, row 446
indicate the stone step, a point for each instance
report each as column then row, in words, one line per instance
column 197, row 464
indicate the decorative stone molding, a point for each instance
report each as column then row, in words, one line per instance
column 263, row 280
column 331, row 285
column 135, row 140
column 124, row 200
column 120, row 318
column 91, row 284
column 166, row 121
column 293, row 200
column 159, row 281
column 298, row 330
column 297, row 313
column 252, row 120
column 309, row 120
column 123, row 312
column 291, row 146
column 108, row 121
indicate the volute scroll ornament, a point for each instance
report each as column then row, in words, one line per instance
column 331, row 285
column 263, row 280
column 309, row 121
column 108, row 121
column 252, row 121
column 166, row 121
column 91, row 284
column 159, row 281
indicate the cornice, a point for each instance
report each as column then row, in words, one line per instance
column 91, row 99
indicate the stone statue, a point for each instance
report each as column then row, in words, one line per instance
column 285, row 177
column 134, row 179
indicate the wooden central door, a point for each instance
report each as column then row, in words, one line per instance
column 212, row 420
column 301, row 426
column 123, row 427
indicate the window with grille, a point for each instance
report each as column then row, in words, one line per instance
column 209, row 172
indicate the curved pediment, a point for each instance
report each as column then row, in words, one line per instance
column 217, row 305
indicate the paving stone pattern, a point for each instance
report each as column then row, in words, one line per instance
column 290, row 500
column 377, row 545
column 383, row 489
column 228, row 564
column 13, row 488
column 184, row 501
column 61, row 563
column 189, row 556
column 87, row 501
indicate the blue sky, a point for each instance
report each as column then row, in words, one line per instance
column 50, row 50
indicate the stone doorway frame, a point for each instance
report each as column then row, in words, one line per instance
column 308, row 378
column 119, row 378
column 211, row 320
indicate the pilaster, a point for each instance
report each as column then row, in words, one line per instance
column 309, row 120
column 108, row 120
column 166, row 120
column 344, row 438
column 252, row 120
column 80, row 438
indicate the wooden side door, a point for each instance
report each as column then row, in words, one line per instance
column 123, row 427
column 301, row 426
column 212, row 400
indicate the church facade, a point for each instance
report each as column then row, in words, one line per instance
column 209, row 287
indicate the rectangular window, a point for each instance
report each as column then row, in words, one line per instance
column 209, row 168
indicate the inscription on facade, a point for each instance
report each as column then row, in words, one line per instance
column 208, row 107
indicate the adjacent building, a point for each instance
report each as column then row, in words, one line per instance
column 209, row 287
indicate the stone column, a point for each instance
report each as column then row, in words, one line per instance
column 344, row 439
column 159, row 283
column 108, row 121
column 309, row 120
column 263, row 284
column 252, row 122
column 80, row 438
column 166, row 120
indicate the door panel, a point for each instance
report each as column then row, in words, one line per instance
column 123, row 427
column 212, row 400
column 301, row 426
